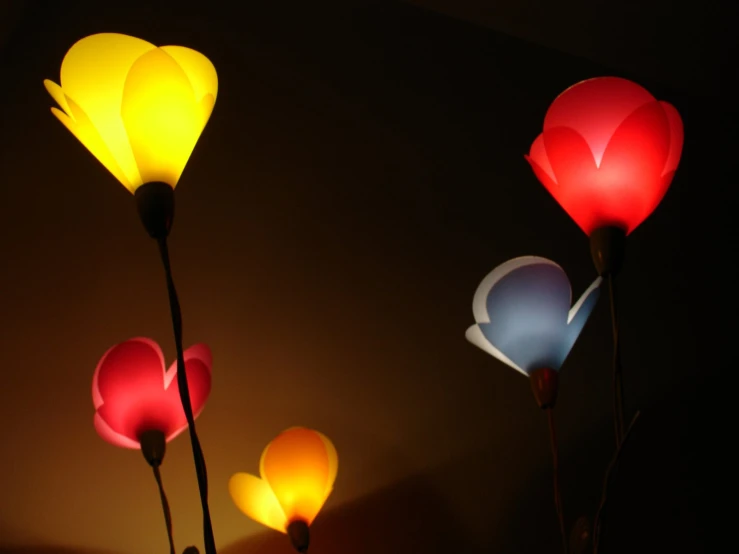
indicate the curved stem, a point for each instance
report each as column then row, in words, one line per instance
column 618, row 395
column 555, row 467
column 165, row 508
column 610, row 472
column 184, row 390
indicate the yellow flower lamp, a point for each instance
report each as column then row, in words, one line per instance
column 140, row 110
column 298, row 469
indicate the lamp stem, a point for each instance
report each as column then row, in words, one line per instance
column 165, row 507
column 184, row 390
column 618, row 395
column 555, row 468
column 610, row 472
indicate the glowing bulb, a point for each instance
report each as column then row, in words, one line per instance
column 298, row 469
column 524, row 315
column 138, row 108
column 608, row 152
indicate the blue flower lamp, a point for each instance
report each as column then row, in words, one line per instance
column 524, row 317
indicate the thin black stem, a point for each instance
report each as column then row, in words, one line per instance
column 555, row 467
column 618, row 394
column 184, row 390
column 610, row 472
column 165, row 508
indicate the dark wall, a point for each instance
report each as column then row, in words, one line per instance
column 377, row 147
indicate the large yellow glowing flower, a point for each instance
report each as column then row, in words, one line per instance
column 298, row 469
column 138, row 108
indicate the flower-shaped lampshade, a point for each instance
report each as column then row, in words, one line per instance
column 133, row 393
column 298, row 469
column 138, row 108
column 608, row 152
column 523, row 314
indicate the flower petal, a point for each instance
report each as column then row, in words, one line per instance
column 676, row 137
column 58, row 95
column 528, row 309
column 630, row 174
column 254, row 497
column 107, row 434
column 580, row 313
column 297, row 468
column 93, row 72
column 162, row 116
column 198, row 363
column 576, row 176
column 127, row 382
column 594, row 108
column 333, row 463
column 198, row 68
column 538, row 155
column 82, row 128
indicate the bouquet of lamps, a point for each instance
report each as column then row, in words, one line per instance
column 607, row 154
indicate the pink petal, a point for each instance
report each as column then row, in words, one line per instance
column 595, row 108
column 111, row 436
column 132, row 392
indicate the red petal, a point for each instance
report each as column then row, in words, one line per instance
column 595, row 108
column 630, row 175
column 539, row 155
column 575, row 171
column 676, row 137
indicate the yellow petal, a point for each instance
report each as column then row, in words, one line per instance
column 199, row 70
column 94, row 73
column 254, row 497
column 161, row 116
column 81, row 127
column 297, row 467
column 58, row 95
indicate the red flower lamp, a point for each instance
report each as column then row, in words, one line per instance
column 137, row 402
column 608, row 153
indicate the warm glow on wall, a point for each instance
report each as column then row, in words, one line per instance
column 138, row 109
column 608, row 152
column 133, row 393
column 298, row 469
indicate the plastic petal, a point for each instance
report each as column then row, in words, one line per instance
column 594, row 108
column 82, row 128
column 255, row 498
column 580, row 312
column 538, row 155
column 629, row 180
column 297, row 468
column 333, row 463
column 93, row 73
column 57, row 94
column 576, row 174
column 132, row 391
column 676, row 137
column 161, row 115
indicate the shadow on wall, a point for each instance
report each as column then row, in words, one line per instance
column 401, row 519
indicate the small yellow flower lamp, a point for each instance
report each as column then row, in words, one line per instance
column 140, row 110
column 298, row 469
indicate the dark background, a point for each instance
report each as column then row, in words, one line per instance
column 362, row 171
